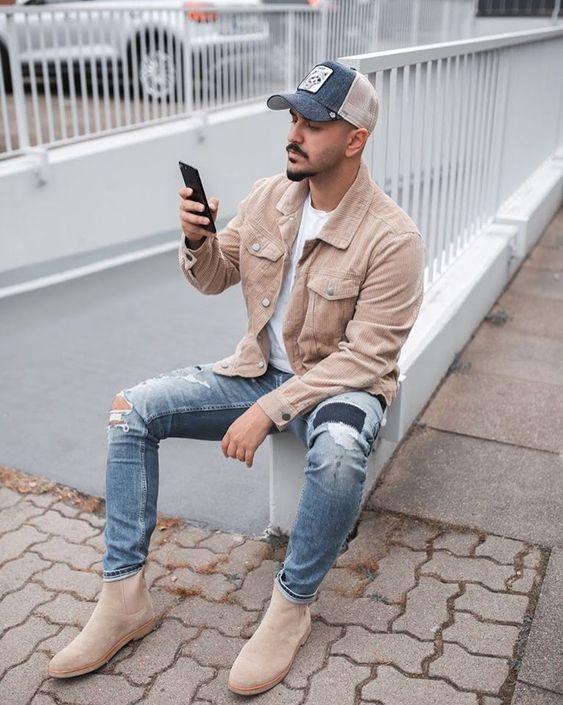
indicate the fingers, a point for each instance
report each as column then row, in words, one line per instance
column 225, row 444
column 192, row 221
column 213, row 207
column 192, row 218
column 232, row 450
column 195, row 206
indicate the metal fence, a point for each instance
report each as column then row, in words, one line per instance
column 73, row 71
column 519, row 8
column 462, row 126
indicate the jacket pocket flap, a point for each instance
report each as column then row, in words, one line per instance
column 331, row 288
column 260, row 247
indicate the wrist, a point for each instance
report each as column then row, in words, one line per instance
column 267, row 420
column 193, row 244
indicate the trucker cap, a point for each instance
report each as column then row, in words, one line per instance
column 331, row 91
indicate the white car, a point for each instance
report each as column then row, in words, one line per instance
column 144, row 41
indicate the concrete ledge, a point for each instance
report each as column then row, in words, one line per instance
column 287, row 463
column 532, row 206
column 452, row 310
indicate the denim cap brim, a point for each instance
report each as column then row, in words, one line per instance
column 305, row 105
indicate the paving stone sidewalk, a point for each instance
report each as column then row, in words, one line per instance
column 448, row 594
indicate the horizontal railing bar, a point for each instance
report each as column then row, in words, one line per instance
column 394, row 58
column 145, row 7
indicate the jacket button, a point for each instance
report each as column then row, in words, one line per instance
column 330, row 291
column 286, row 416
column 261, row 363
column 255, row 246
column 265, row 302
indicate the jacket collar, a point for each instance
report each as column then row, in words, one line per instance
column 345, row 218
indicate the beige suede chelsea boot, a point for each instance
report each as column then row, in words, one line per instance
column 266, row 658
column 124, row 612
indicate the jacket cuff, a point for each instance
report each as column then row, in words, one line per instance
column 277, row 408
column 189, row 257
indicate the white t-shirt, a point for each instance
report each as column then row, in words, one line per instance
column 312, row 221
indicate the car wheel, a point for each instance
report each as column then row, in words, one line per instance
column 6, row 73
column 158, row 64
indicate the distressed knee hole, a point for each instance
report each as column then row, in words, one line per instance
column 344, row 422
column 119, row 408
column 343, row 435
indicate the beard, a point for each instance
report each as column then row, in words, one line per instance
column 299, row 175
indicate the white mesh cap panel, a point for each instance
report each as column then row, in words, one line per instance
column 361, row 105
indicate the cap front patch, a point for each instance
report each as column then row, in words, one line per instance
column 315, row 79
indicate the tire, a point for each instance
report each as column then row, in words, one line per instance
column 6, row 73
column 159, row 68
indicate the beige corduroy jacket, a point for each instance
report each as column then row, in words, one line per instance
column 357, row 291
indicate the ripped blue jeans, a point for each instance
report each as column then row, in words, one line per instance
column 194, row 402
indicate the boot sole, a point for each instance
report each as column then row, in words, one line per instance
column 138, row 633
column 241, row 690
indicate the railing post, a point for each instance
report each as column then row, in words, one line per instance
column 446, row 14
column 415, row 21
column 17, row 82
column 187, row 61
column 325, row 53
column 290, row 43
column 556, row 9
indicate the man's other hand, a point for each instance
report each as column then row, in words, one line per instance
column 245, row 435
column 191, row 218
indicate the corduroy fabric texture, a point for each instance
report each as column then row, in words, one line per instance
column 357, row 291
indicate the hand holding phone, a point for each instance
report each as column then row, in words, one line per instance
column 196, row 215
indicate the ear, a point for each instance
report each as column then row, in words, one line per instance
column 356, row 141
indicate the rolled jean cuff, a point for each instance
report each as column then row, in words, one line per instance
column 292, row 596
column 114, row 575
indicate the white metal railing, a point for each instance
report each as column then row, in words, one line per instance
column 69, row 72
column 75, row 71
column 462, row 126
column 519, row 8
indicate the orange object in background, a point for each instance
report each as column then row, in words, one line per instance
column 200, row 12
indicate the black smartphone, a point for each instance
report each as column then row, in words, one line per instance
column 193, row 181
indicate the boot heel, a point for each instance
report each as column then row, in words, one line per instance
column 305, row 636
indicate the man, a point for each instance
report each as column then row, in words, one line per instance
column 332, row 274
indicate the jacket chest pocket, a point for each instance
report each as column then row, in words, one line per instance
column 258, row 248
column 331, row 305
column 260, row 265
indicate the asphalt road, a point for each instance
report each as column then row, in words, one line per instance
column 66, row 350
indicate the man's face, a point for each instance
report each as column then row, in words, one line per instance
column 314, row 147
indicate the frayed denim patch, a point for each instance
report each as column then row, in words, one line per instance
column 343, row 413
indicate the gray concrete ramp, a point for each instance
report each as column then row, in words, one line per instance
column 65, row 351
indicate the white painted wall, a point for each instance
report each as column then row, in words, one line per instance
column 119, row 189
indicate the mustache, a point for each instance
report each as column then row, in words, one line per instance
column 292, row 147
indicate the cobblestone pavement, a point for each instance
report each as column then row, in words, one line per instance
column 414, row 612
column 431, row 604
